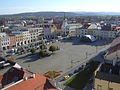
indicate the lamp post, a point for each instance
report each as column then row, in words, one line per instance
column 29, row 67
column 71, row 63
column 86, row 55
column 96, row 49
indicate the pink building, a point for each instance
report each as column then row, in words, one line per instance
column 12, row 40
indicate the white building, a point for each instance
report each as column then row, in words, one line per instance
column 4, row 41
column 35, row 33
column 49, row 30
column 70, row 28
column 97, row 32
column 26, row 37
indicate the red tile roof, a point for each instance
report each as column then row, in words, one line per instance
column 38, row 83
column 113, row 49
column 115, row 45
column 58, row 26
column 115, row 41
column 1, row 76
column 13, row 75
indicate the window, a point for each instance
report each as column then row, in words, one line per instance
column 99, row 87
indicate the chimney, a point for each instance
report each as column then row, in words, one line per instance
column 33, row 75
column 25, row 78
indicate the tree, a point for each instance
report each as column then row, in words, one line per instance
column 32, row 50
column 10, row 59
column 43, row 47
column 43, row 53
column 52, row 48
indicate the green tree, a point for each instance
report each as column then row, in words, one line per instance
column 43, row 53
column 52, row 48
column 32, row 50
column 43, row 47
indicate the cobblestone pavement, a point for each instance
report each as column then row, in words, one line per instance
column 71, row 53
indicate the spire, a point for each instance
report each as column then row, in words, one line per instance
column 64, row 15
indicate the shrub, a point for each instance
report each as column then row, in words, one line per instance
column 32, row 50
column 10, row 59
column 43, row 47
column 52, row 48
column 43, row 53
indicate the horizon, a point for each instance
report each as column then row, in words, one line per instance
column 63, row 11
column 25, row 6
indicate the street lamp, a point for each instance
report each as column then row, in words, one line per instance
column 29, row 67
column 96, row 49
column 86, row 55
column 71, row 63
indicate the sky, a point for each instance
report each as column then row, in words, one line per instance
column 21, row 6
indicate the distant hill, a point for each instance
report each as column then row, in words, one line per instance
column 53, row 14
column 42, row 14
column 98, row 13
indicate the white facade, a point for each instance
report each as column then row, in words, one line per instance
column 49, row 31
column 35, row 33
column 26, row 37
column 102, row 34
column 4, row 41
column 64, row 26
column 68, row 28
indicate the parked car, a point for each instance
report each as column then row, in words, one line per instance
column 70, row 74
column 53, row 41
column 66, row 77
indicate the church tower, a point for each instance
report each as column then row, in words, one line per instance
column 64, row 25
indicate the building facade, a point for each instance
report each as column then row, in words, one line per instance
column 18, row 38
column 107, row 77
column 35, row 34
column 12, row 40
column 26, row 37
column 113, row 53
column 4, row 41
column 70, row 29
column 100, row 34
column 49, row 31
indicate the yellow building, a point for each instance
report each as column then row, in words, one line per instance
column 26, row 37
column 22, row 37
column 107, row 77
column 19, row 39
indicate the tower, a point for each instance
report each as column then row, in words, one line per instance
column 64, row 25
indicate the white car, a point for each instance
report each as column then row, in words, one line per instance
column 47, row 43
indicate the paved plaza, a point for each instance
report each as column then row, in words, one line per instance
column 71, row 53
